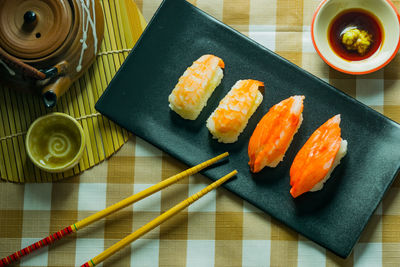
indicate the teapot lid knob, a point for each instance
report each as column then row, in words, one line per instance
column 29, row 17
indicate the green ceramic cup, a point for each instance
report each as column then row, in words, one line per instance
column 55, row 142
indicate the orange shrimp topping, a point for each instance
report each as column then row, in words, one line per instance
column 192, row 83
column 314, row 160
column 274, row 133
column 236, row 105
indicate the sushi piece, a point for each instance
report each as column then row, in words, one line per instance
column 195, row 86
column 274, row 133
column 233, row 112
column 318, row 157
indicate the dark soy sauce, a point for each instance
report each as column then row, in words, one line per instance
column 354, row 18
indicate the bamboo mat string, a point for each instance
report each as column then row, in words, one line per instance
column 115, row 51
column 23, row 133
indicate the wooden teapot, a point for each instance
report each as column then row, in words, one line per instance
column 45, row 45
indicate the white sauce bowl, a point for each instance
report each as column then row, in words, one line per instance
column 389, row 18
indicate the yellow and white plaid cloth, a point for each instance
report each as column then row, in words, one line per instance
column 220, row 229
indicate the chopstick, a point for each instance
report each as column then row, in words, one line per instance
column 109, row 210
column 156, row 222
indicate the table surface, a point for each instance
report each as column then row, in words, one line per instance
column 220, row 229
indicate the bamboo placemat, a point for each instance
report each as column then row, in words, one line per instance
column 123, row 26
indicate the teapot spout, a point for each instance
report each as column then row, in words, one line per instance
column 54, row 90
column 49, row 99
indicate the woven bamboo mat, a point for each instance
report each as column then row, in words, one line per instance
column 123, row 26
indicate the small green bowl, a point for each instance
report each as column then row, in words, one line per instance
column 55, row 142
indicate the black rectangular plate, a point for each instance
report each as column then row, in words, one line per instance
column 179, row 33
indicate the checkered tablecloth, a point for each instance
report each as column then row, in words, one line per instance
column 220, row 229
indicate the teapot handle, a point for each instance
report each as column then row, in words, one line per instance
column 52, row 91
column 26, row 69
column 30, row 71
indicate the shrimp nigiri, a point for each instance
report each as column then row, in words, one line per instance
column 234, row 111
column 274, row 133
column 318, row 157
column 195, row 86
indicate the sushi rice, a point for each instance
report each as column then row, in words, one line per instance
column 340, row 154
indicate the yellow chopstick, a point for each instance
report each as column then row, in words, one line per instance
column 147, row 192
column 109, row 210
column 156, row 222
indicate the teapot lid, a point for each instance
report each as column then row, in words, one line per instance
column 33, row 29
